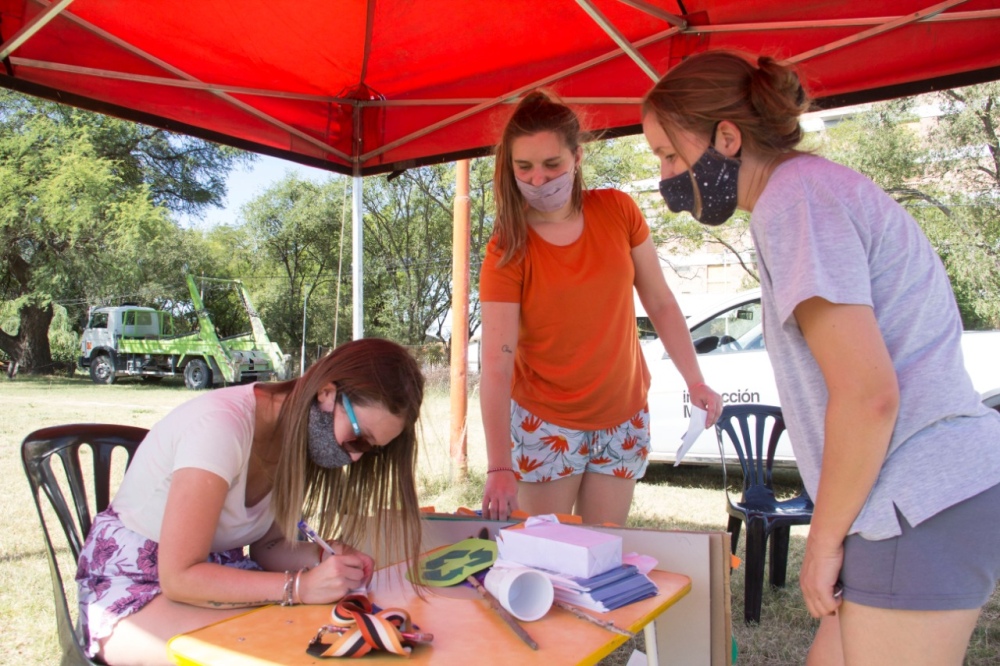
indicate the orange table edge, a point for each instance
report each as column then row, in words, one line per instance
column 462, row 624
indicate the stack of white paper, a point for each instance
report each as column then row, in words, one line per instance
column 566, row 549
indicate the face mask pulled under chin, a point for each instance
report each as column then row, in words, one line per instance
column 716, row 176
column 551, row 196
column 324, row 449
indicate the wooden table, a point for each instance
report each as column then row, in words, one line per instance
column 465, row 630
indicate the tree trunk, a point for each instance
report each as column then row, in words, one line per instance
column 31, row 349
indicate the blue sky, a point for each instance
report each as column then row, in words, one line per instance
column 244, row 184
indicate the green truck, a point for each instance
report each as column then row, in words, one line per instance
column 135, row 341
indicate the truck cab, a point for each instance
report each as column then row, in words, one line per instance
column 99, row 343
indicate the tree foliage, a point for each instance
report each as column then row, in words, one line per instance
column 944, row 171
column 181, row 173
column 79, row 220
column 965, row 150
column 291, row 242
column 408, row 240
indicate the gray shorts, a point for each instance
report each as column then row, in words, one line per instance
column 951, row 561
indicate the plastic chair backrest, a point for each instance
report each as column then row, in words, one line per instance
column 39, row 451
column 754, row 431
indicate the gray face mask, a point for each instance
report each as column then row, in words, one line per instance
column 324, row 450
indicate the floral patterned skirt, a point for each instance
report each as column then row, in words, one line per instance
column 117, row 575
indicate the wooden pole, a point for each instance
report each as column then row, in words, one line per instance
column 460, row 324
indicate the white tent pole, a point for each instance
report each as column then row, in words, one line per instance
column 357, row 255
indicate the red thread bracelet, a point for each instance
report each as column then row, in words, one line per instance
column 500, row 469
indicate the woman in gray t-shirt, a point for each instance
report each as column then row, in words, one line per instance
column 890, row 436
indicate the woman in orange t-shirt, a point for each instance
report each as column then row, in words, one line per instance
column 564, row 383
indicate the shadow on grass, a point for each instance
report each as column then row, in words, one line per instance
column 709, row 477
column 82, row 380
column 27, row 555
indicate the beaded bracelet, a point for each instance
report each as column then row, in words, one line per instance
column 500, row 469
column 286, row 593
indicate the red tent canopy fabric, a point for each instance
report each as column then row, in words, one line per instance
column 373, row 86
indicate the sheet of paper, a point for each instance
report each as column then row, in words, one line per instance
column 637, row 658
column 695, row 428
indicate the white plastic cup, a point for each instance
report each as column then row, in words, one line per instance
column 525, row 593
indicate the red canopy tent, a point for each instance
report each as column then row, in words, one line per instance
column 374, row 86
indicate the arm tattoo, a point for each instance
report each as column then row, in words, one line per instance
column 507, row 350
column 272, row 543
column 241, row 604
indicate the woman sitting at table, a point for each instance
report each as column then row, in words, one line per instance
column 240, row 466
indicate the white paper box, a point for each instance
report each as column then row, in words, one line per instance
column 565, row 549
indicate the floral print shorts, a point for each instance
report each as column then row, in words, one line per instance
column 541, row 451
column 117, row 575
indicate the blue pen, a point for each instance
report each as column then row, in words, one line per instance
column 315, row 538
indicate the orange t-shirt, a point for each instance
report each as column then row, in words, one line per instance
column 578, row 362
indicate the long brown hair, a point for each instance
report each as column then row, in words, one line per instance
column 376, row 496
column 764, row 100
column 537, row 112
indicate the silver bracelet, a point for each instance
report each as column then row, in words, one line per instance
column 286, row 594
column 296, row 597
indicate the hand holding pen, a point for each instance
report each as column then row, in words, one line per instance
column 310, row 534
column 366, row 561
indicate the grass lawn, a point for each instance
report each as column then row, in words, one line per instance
column 668, row 498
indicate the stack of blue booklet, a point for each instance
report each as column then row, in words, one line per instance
column 604, row 592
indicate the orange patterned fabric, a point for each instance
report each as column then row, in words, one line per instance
column 547, row 452
column 578, row 363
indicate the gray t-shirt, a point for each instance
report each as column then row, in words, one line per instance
column 823, row 230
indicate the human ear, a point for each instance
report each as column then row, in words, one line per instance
column 326, row 395
column 728, row 139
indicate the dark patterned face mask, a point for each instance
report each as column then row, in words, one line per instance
column 715, row 176
column 324, row 449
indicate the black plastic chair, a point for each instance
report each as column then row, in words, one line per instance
column 39, row 450
column 753, row 431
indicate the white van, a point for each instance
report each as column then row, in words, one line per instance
column 729, row 339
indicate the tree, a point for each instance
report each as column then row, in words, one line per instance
column 946, row 177
column 407, row 237
column 481, row 215
column 965, row 149
column 74, row 224
column 183, row 174
column 291, row 243
column 61, row 216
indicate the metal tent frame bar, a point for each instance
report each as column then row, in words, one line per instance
column 871, row 28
